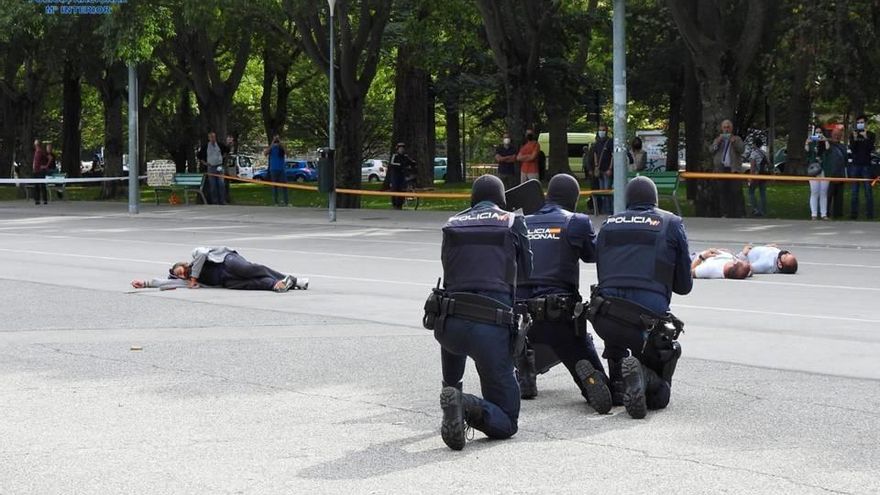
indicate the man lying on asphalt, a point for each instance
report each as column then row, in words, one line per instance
column 718, row 263
column 223, row 267
column 769, row 259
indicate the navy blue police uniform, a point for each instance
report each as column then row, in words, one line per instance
column 484, row 249
column 559, row 238
column 642, row 258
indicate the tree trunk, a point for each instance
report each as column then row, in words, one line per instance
column 718, row 105
column 274, row 77
column 7, row 136
column 349, row 118
column 411, row 116
column 799, row 113
column 454, row 173
column 557, row 124
column 673, row 131
column 113, row 138
column 72, row 116
column 693, row 127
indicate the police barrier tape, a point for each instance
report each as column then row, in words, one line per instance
column 780, row 178
column 64, row 180
column 363, row 192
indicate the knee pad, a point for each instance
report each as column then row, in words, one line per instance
column 658, row 397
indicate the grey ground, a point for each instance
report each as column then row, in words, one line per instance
column 335, row 390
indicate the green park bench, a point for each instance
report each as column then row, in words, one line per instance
column 184, row 182
column 666, row 182
column 29, row 189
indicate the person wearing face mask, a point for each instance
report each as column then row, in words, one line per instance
column 818, row 188
column 861, row 143
column 528, row 157
column 602, row 155
column 638, row 158
column 833, row 154
column 505, row 157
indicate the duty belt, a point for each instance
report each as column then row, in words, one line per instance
column 473, row 307
column 634, row 314
column 554, row 307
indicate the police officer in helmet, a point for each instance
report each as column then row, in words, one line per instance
column 642, row 258
column 484, row 248
column 559, row 238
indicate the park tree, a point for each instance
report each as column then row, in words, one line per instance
column 723, row 38
column 27, row 55
column 515, row 30
column 361, row 27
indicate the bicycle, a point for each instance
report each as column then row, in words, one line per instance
column 410, row 186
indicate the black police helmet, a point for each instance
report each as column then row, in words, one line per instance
column 641, row 190
column 564, row 191
column 488, row 188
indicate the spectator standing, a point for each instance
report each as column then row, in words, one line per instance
column 41, row 164
column 638, row 158
column 818, row 188
column 505, row 157
column 760, row 166
column 277, row 172
column 601, row 156
column 727, row 156
column 211, row 155
column 861, row 143
column 528, row 157
column 834, row 165
column 400, row 166
column 52, row 166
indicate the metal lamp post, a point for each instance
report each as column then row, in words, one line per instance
column 619, row 104
column 332, row 116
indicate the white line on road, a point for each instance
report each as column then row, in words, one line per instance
column 775, row 313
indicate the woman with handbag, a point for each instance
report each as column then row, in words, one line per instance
column 818, row 188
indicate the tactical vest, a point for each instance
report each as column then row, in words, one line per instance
column 633, row 253
column 554, row 259
column 479, row 253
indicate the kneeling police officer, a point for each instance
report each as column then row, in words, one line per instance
column 558, row 239
column 484, row 248
column 642, row 257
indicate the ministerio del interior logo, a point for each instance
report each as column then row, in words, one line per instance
column 78, row 7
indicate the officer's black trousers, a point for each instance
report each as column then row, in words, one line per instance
column 568, row 347
column 622, row 339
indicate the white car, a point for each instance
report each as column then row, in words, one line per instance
column 373, row 170
column 244, row 165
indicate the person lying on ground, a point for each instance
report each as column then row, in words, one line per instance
column 769, row 259
column 719, row 263
column 223, row 267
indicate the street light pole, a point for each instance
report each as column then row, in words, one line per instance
column 619, row 105
column 332, row 116
column 133, row 158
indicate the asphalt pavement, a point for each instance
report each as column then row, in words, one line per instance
column 108, row 389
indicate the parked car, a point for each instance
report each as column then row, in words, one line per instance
column 244, row 166
column 373, row 170
column 296, row 171
column 440, row 168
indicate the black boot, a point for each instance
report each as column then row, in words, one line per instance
column 526, row 374
column 452, row 428
column 593, row 387
column 459, row 411
column 615, row 382
column 634, row 396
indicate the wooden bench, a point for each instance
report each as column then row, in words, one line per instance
column 185, row 182
column 666, row 182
